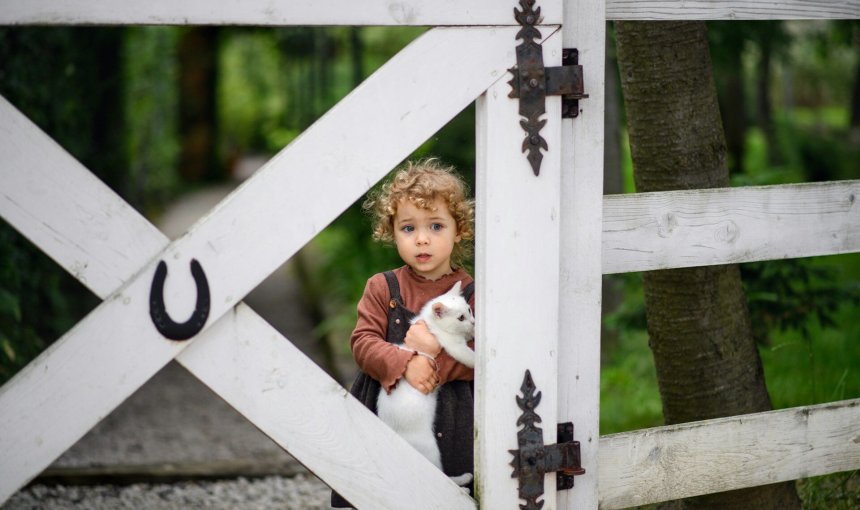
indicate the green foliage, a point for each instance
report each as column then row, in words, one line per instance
column 35, row 304
column 149, row 60
column 789, row 294
column 629, row 396
column 839, row 491
column 67, row 82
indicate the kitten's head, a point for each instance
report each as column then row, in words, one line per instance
column 452, row 313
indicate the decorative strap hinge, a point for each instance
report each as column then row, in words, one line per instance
column 533, row 459
column 532, row 82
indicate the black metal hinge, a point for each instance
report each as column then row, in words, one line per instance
column 532, row 82
column 533, row 459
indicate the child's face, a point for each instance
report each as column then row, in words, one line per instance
column 425, row 238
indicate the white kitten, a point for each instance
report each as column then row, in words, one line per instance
column 408, row 411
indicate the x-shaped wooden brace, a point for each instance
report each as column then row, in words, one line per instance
column 109, row 247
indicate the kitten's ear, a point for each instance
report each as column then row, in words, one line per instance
column 455, row 290
column 438, row 309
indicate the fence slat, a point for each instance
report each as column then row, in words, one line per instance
column 388, row 12
column 631, row 10
column 665, row 463
column 580, row 279
column 673, row 229
column 262, row 12
column 517, row 277
column 54, row 400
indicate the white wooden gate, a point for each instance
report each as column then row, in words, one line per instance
column 558, row 226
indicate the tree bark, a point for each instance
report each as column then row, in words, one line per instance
column 698, row 323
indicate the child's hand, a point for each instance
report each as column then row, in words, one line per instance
column 420, row 338
column 421, row 374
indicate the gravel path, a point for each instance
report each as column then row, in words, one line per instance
column 302, row 492
column 175, row 428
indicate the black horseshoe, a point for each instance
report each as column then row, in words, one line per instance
column 163, row 323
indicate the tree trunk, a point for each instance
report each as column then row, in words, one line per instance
column 698, row 322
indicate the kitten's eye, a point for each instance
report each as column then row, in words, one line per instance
column 461, row 318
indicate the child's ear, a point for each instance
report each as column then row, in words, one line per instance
column 438, row 309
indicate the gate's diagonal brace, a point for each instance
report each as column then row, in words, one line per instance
column 533, row 459
column 532, row 82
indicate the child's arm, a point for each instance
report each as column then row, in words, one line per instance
column 419, row 337
column 377, row 358
column 421, row 374
column 452, row 370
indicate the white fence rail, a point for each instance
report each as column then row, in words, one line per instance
column 391, row 12
column 674, row 229
column 632, row 10
column 665, row 463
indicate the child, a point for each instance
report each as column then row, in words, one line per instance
column 425, row 212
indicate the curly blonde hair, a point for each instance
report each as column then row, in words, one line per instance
column 422, row 182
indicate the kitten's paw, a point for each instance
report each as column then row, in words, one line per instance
column 463, row 479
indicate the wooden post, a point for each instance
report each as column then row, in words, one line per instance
column 517, row 282
column 581, row 227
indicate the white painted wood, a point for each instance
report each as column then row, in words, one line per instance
column 665, row 463
column 101, row 248
column 263, row 12
column 391, row 12
column 285, row 394
column 517, row 220
column 580, row 279
column 53, row 402
column 241, row 357
column 673, row 229
column 630, row 10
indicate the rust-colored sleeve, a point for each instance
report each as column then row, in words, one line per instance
column 377, row 358
column 451, row 369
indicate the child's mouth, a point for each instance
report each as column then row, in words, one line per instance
column 422, row 257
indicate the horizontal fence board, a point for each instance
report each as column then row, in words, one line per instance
column 54, row 401
column 665, row 463
column 102, row 241
column 673, row 229
column 629, row 10
column 267, row 12
column 391, row 12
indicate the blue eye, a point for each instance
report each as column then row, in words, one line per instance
column 407, row 228
column 436, row 227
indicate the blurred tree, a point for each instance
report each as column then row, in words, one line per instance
column 612, row 291
column 728, row 40
column 772, row 40
column 698, row 323
column 198, row 127
column 847, row 32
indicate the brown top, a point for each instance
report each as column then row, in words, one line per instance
column 383, row 361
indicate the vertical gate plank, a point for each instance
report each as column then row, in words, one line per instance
column 517, row 283
column 581, row 231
